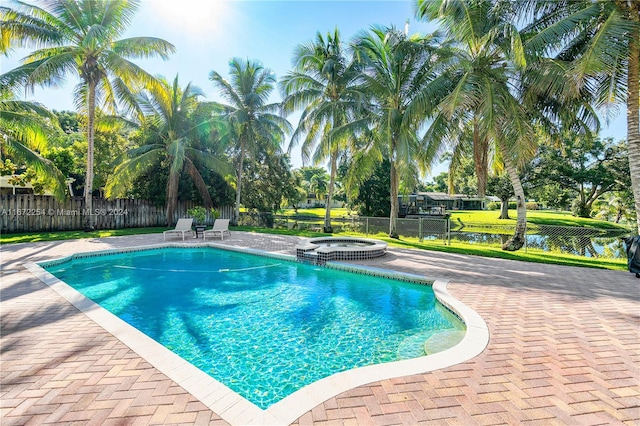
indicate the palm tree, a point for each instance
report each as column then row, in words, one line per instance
column 323, row 84
column 253, row 122
column 318, row 186
column 24, row 127
column 81, row 37
column 486, row 67
column 602, row 39
column 397, row 69
column 167, row 116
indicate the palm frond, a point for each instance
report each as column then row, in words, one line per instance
column 139, row 162
column 143, row 47
column 27, row 26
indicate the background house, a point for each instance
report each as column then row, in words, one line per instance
column 437, row 203
column 311, row 202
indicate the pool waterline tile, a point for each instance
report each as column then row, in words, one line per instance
column 231, row 406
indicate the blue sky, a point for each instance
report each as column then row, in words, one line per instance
column 207, row 33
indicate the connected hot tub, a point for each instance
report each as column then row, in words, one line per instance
column 323, row 249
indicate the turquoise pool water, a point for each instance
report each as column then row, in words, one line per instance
column 264, row 327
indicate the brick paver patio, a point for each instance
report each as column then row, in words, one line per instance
column 564, row 349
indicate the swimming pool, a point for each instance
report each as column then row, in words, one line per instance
column 263, row 326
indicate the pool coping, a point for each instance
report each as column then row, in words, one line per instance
column 234, row 408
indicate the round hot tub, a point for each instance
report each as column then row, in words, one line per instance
column 323, row 249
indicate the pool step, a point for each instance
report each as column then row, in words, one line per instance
column 413, row 346
column 443, row 340
column 309, row 257
column 429, row 342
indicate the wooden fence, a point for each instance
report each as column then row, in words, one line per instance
column 37, row 213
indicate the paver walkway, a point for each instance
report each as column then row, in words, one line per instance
column 564, row 349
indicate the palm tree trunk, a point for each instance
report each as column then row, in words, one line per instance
column 516, row 242
column 172, row 197
column 504, row 209
column 393, row 214
column 236, row 210
column 332, row 179
column 633, row 113
column 88, row 184
column 481, row 158
column 200, row 184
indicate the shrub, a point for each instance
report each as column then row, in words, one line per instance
column 532, row 205
column 494, row 205
column 198, row 214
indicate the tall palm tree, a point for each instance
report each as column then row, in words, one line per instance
column 80, row 37
column 602, row 39
column 253, row 122
column 397, row 70
column 167, row 116
column 323, row 84
column 497, row 95
column 24, row 127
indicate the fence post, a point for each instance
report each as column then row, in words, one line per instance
column 420, row 229
column 448, row 229
column 367, row 228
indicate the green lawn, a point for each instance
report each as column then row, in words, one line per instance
column 73, row 235
column 483, row 217
column 539, row 217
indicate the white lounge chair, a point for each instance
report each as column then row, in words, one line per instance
column 182, row 227
column 220, row 227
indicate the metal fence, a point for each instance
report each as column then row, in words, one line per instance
column 581, row 241
column 587, row 242
column 424, row 228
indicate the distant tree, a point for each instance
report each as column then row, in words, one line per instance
column 318, row 186
column 151, row 185
column 308, row 173
column 268, row 181
column 615, row 206
column 111, row 141
column 295, row 193
column 439, row 183
column 462, row 178
column 589, row 168
column 68, row 149
column 69, row 121
column 372, row 198
column 550, row 194
column 314, row 181
column 501, row 187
